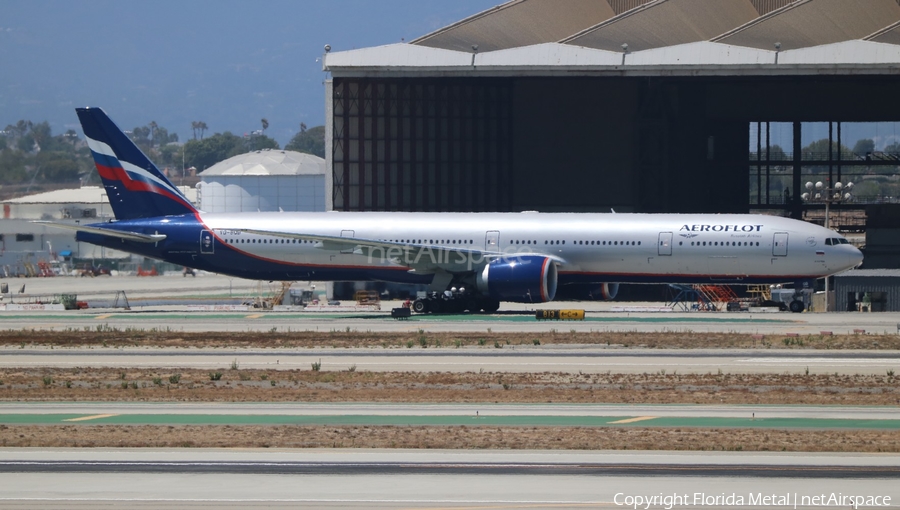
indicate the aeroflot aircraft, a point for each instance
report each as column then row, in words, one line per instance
column 472, row 261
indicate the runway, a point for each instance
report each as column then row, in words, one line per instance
column 560, row 358
column 513, row 317
column 471, row 415
column 172, row 319
column 128, row 478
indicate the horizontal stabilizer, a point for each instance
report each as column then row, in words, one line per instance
column 121, row 234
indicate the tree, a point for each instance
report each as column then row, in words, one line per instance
column 152, row 127
column 199, row 127
column 205, row 153
column 12, row 166
column 818, row 150
column 221, row 146
column 310, row 141
column 864, row 146
column 265, row 125
column 892, row 148
column 57, row 166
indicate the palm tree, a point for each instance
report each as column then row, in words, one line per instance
column 265, row 125
column 153, row 127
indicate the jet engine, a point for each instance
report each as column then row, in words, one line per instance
column 520, row 279
column 588, row 292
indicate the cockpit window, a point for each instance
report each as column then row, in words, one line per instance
column 844, row 241
column 828, row 242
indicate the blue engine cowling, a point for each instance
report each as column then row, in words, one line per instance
column 521, row 279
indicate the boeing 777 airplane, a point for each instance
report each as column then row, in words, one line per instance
column 486, row 258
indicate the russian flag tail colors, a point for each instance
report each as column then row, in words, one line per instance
column 135, row 187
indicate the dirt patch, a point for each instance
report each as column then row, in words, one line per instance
column 240, row 385
column 110, row 336
column 456, row 437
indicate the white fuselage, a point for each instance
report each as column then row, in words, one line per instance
column 588, row 247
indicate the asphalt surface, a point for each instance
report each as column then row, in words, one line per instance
column 165, row 478
column 570, row 359
column 148, row 297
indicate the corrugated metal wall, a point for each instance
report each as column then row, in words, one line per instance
column 844, row 285
column 766, row 6
column 620, row 6
column 421, row 145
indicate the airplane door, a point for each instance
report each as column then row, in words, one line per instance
column 665, row 243
column 348, row 233
column 779, row 244
column 207, row 242
column 492, row 240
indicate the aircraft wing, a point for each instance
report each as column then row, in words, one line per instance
column 121, row 234
column 421, row 258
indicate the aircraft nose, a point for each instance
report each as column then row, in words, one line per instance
column 855, row 258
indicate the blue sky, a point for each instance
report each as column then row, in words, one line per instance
column 228, row 63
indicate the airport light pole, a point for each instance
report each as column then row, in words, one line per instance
column 826, row 194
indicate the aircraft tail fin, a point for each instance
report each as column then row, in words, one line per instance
column 134, row 185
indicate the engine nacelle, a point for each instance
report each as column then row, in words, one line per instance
column 520, row 279
column 588, row 292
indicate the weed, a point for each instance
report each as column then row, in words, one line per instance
column 409, row 344
column 489, row 330
column 134, row 385
column 48, row 380
column 481, row 341
column 423, row 341
column 272, row 382
column 124, row 385
column 274, row 329
column 317, row 365
column 263, row 377
column 890, row 373
column 68, row 384
column 457, row 343
column 234, row 365
column 175, row 378
column 158, row 381
column 506, row 386
column 352, row 368
column 807, row 370
column 215, row 376
column 536, row 341
column 244, row 377
column 497, row 345
column 122, row 375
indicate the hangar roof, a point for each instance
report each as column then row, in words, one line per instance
column 815, row 22
column 523, row 23
column 666, row 22
column 268, row 162
column 671, row 37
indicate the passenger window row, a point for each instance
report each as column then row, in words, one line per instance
column 722, row 243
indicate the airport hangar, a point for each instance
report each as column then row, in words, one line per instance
column 593, row 105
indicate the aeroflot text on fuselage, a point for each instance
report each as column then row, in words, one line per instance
column 721, row 228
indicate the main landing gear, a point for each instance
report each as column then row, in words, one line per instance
column 454, row 302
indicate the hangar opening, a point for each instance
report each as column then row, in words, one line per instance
column 675, row 106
